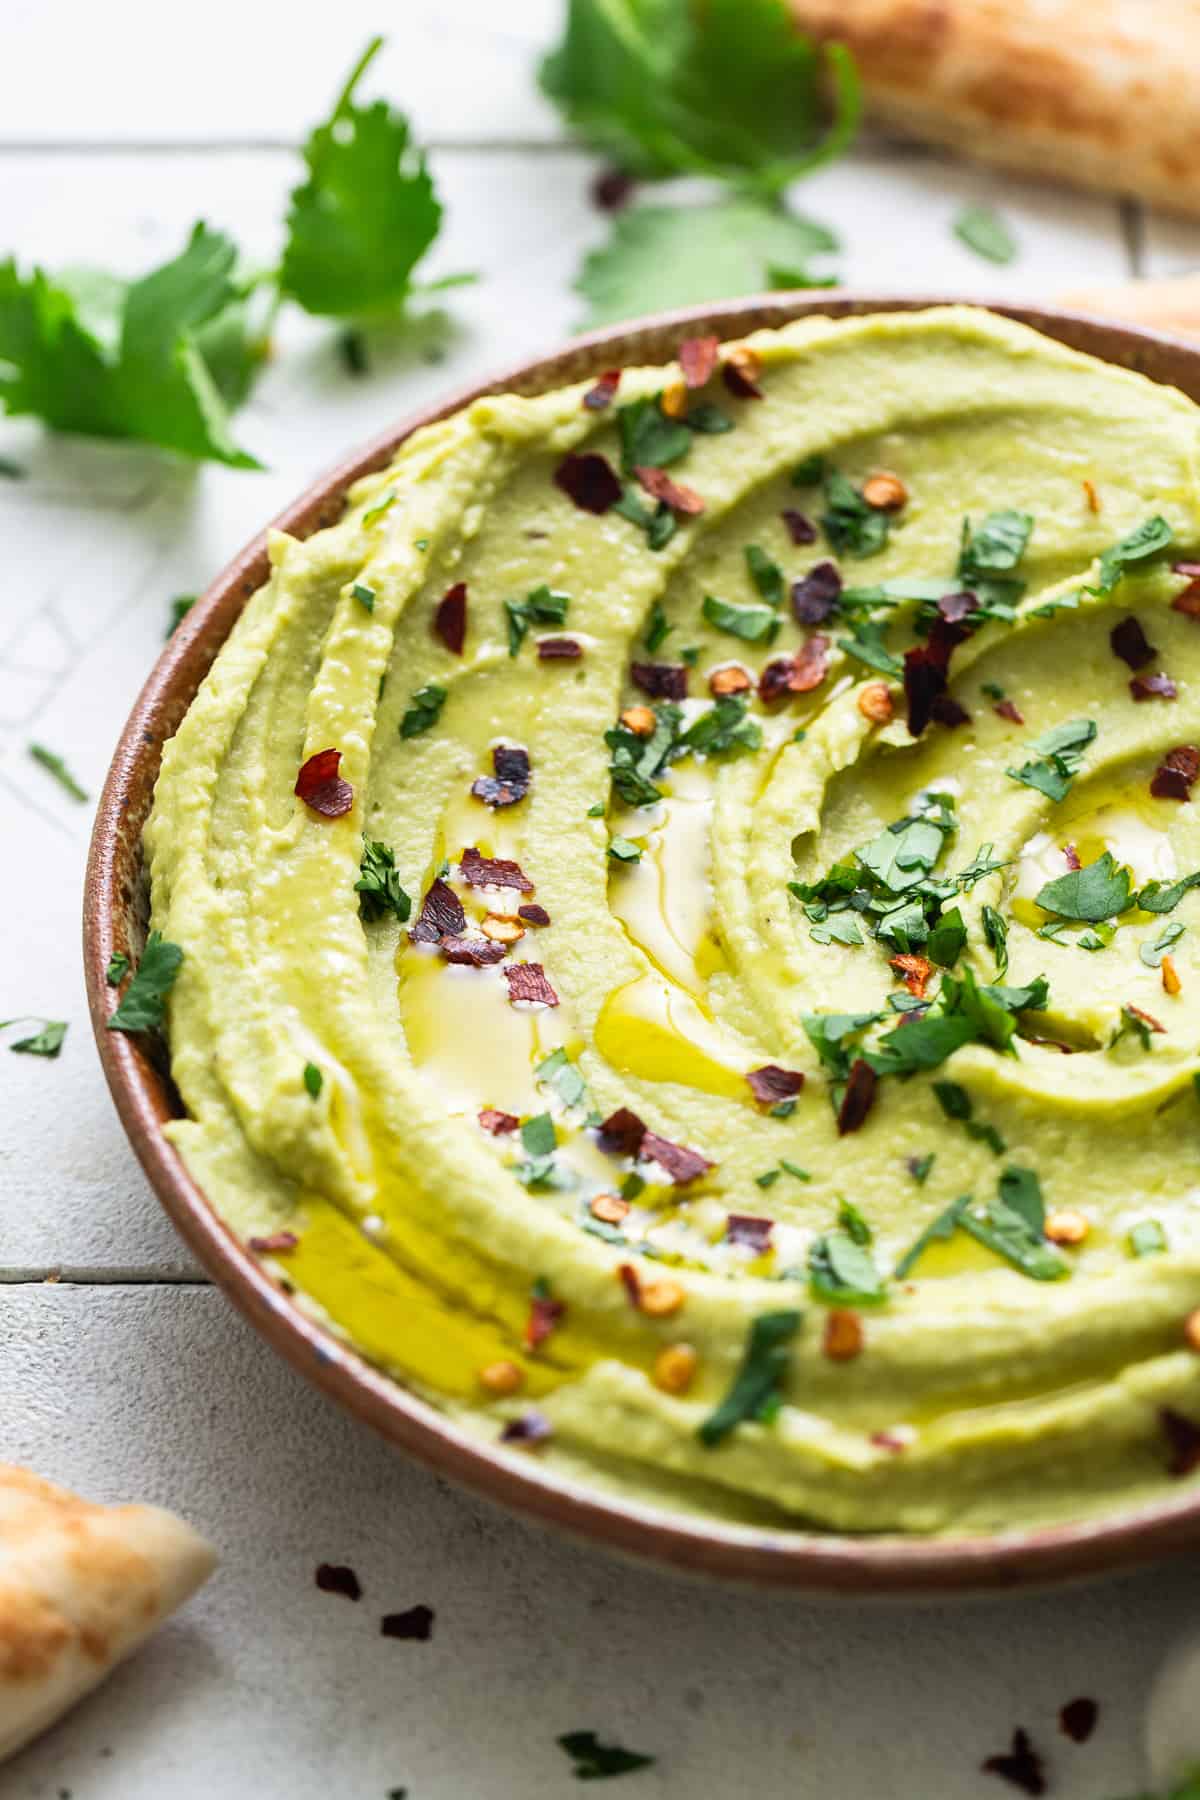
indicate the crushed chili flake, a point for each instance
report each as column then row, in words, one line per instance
column 1091, row 496
column 1190, row 569
column 1077, row 1719
column 946, row 710
column 750, row 1230
column 800, row 527
column 441, row 915
column 416, row 1623
column 511, row 781
column 1153, row 687
column 559, row 649
column 531, row 1428
column 858, row 1098
column 843, row 1337
column 925, row 672
column 493, row 871
column 612, row 189
column 275, row 1243
column 1173, row 778
column 321, row 787
column 662, row 681
column 1130, row 643
column 545, row 1315
column 640, row 720
column 588, row 479
column 771, row 1084
column 954, row 608
column 533, row 915
column 796, row 674
column 600, row 395
column 1071, row 857
column 1148, row 1019
column 1183, row 1441
column 1008, row 709
column 894, row 1438
column 698, row 359
column 621, row 1133
column 497, row 1122
column 450, row 619
column 875, row 702
column 816, row 594
column 730, row 678
column 915, row 971
column 1188, row 601
column 631, row 1281
column 681, row 1164
column 1022, row 1766
column 477, row 953
column 527, row 982
column 680, row 498
column 740, row 372
column 338, row 1578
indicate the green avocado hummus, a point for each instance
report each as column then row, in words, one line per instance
column 690, row 958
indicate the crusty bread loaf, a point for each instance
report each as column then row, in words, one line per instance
column 1105, row 93
column 1171, row 305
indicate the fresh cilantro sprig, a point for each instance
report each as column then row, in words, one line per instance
column 378, row 885
column 141, row 1007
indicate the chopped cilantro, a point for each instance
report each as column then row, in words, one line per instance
column 118, row 968
column 920, row 1166
column 852, row 1221
column 1152, row 953
column 1133, row 1024
column 658, row 522
column 425, row 711
column 314, row 1081
column 540, row 607
column 1004, row 1225
column 54, row 765
column 722, row 728
column 560, row 1073
column 141, row 1008
column 995, row 935
column 768, row 1178
column 624, row 850
column 940, row 1231
column 837, row 929
column 538, row 1135
column 809, row 472
column 707, row 419
column 637, row 761
column 378, row 885
column 1164, row 897
column 598, row 811
column 657, row 631
column 866, row 644
column 842, row 1271
column 1147, row 1238
column 1059, row 753
column 756, row 1385
column 649, row 439
column 766, row 574
column 364, row 595
column 595, row 1761
column 1146, row 540
column 1098, row 891
column 947, row 939
column 46, row 1042
column 986, row 233
column 794, row 1169
column 753, row 624
column 852, row 525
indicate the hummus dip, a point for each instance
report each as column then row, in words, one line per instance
column 690, row 958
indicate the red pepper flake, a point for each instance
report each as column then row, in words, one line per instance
column 800, row 527
column 947, row 711
column 1183, row 1441
column 1190, row 569
column 858, row 1098
column 925, row 672
column 533, row 915
column 698, row 359
column 1153, row 687
column 589, row 480
column 561, row 649
column 659, row 485
column 816, row 594
column 511, row 781
column 915, row 971
column 1130, row 643
column 477, row 952
column 895, row 1439
column 1007, row 709
column 600, row 396
column 749, row 1229
column 450, row 619
column 1148, row 1019
column 545, row 1315
column 338, row 1578
column 771, row 1084
column 621, row 1133
column 321, row 787
column 1071, row 856
column 682, row 1165
column 276, row 1243
column 1077, row 1719
column 1091, row 496
column 441, row 915
column 632, row 1284
column 1188, row 601
column 493, row 871
column 740, row 372
column 497, row 1122
column 954, row 608
column 1022, row 1766
column 797, row 674
column 662, row 681
column 1173, row 778
column 416, row 1623
column 531, row 1428
column 527, row 982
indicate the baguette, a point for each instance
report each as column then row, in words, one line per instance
column 1102, row 93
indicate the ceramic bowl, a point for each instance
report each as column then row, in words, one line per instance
column 114, row 919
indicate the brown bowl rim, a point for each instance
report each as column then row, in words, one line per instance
column 816, row 1562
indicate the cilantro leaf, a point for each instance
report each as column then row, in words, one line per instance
column 1164, row 897
column 732, row 90
column 365, row 215
column 648, row 437
column 637, row 761
column 1152, row 953
column 995, row 547
column 141, row 1007
column 842, row 1272
column 54, row 765
column 1099, row 891
column 1144, row 541
column 425, row 711
column 595, row 1761
column 559, row 1072
column 46, row 1042
column 765, row 573
column 540, row 607
column 939, row 1231
column 1006, row 1228
column 986, row 233
column 867, row 646
column 160, row 359
column 378, row 885
column 753, row 624
column 1147, row 1238
column 663, row 256
column 722, row 728
column 851, row 524
column 118, row 968
column 314, row 1081
column 1059, row 752
column 756, row 1385
column 995, row 934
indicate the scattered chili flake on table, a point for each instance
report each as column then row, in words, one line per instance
column 1077, row 1719
column 416, row 1623
column 589, row 480
column 698, row 360
column 600, row 395
column 338, row 1578
column 450, row 619
column 321, row 787
column 1022, row 1766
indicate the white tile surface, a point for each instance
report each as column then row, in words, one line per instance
column 154, row 1389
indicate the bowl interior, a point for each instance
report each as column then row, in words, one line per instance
column 115, row 909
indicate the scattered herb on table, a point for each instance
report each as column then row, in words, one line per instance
column 46, row 1042
column 986, row 233
column 594, row 1761
column 54, row 765
column 180, row 606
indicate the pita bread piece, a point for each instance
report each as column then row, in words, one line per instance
column 80, row 1587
